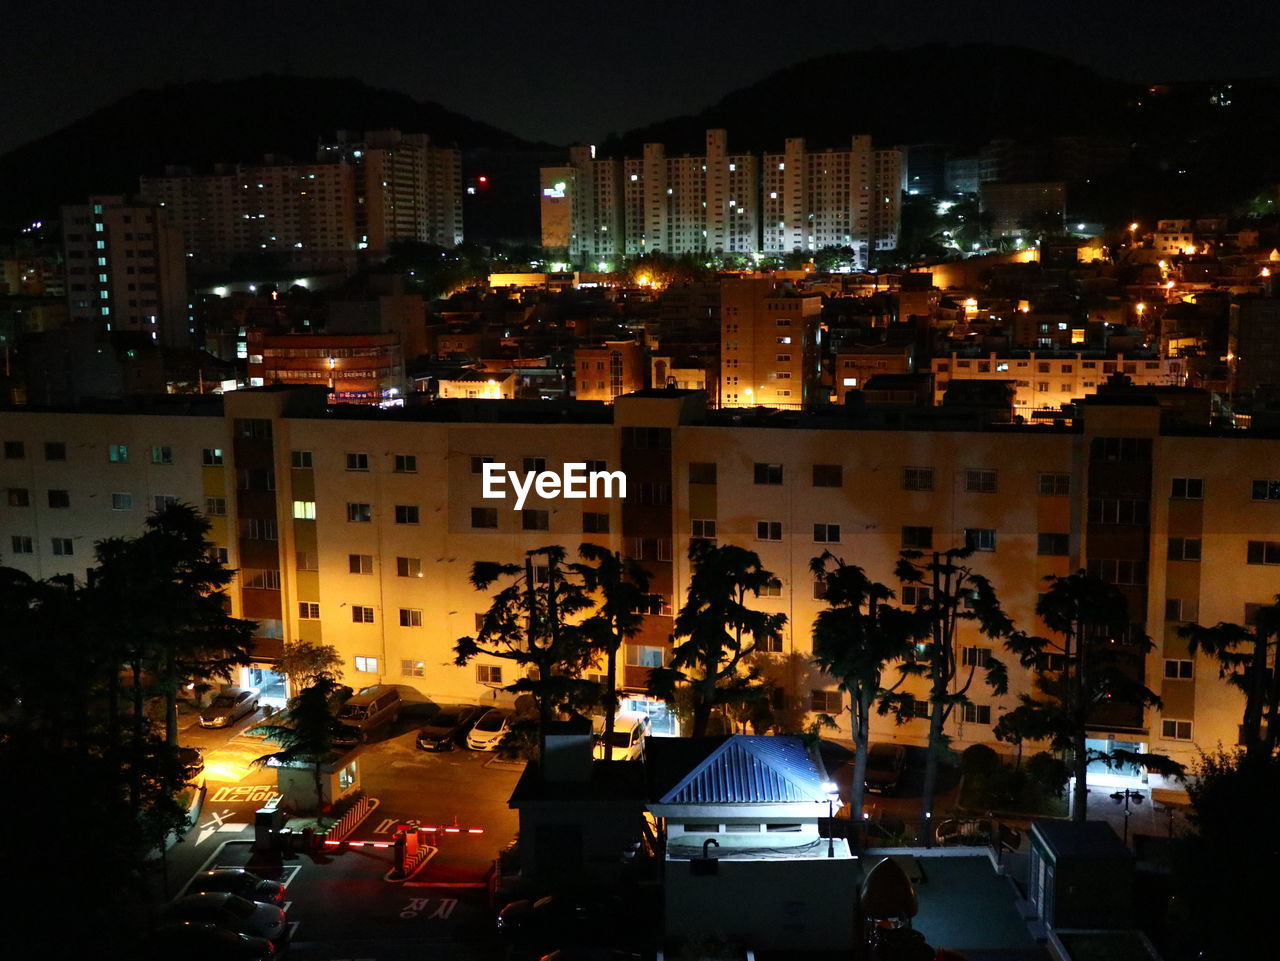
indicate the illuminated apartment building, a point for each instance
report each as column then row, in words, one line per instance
column 1047, row 381
column 768, row 344
column 359, row 529
column 355, row 197
column 125, row 270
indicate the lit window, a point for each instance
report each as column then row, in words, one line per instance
column 304, row 510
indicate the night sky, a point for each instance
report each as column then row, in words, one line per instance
column 565, row 71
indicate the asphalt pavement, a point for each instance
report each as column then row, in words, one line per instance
column 341, row 906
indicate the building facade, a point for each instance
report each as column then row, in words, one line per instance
column 354, row 368
column 1047, row 381
column 356, row 196
column 125, row 270
column 768, row 344
column 724, row 203
column 360, row 531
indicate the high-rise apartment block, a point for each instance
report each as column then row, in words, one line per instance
column 125, row 269
column 832, row 198
column 597, row 209
column 357, row 195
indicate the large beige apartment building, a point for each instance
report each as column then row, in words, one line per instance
column 599, row 209
column 359, row 528
column 356, row 196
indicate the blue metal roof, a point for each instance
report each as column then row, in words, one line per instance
column 748, row 769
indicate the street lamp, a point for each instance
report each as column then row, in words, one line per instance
column 832, row 791
column 1126, row 796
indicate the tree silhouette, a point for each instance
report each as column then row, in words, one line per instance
column 956, row 595
column 311, row 734
column 531, row 622
column 1245, row 659
column 855, row 640
column 719, row 629
column 622, row 586
column 1098, row 639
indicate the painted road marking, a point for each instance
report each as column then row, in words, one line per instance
column 241, row 793
column 218, row 822
column 418, row 906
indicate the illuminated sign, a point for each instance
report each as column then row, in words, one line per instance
column 556, row 190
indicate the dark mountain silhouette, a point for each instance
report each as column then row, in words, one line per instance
column 202, row 123
column 937, row 93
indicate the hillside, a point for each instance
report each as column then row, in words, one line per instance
column 202, row 123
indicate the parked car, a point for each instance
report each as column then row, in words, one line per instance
column 558, row 918
column 205, row 941
column 254, row 918
column 228, row 707
column 192, row 761
column 489, row 731
column 629, row 732
column 448, row 728
column 238, row 881
column 373, row 709
column 884, row 767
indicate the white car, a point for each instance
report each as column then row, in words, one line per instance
column 228, row 707
column 490, row 729
column 254, row 918
column 629, row 732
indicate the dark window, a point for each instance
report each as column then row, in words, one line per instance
column 534, row 465
column 14, row 450
column 768, row 474
column 826, row 533
column 1266, row 490
column 1187, row 488
column 1120, row 449
column 1123, row 571
column 917, row 478
column 1263, row 552
column 55, row 450
column 477, row 464
column 359, row 513
column 211, row 457
column 647, row 438
column 828, row 475
column 59, row 498
column 1184, row 548
column 1055, row 484
column 357, row 462
column 19, row 497
column 484, row 517
column 1104, row 510
column 980, row 539
column 769, row 530
column 302, row 459
column 595, row 523
column 917, row 537
column 360, row 563
column 535, row 520
column 1053, row 545
column 406, row 513
column 980, row 481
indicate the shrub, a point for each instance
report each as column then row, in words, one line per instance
column 979, row 760
column 1049, row 772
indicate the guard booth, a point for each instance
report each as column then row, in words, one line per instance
column 1080, row 875
column 339, row 776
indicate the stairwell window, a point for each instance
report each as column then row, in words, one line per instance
column 1175, row 730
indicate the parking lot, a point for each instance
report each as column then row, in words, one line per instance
column 341, row 905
